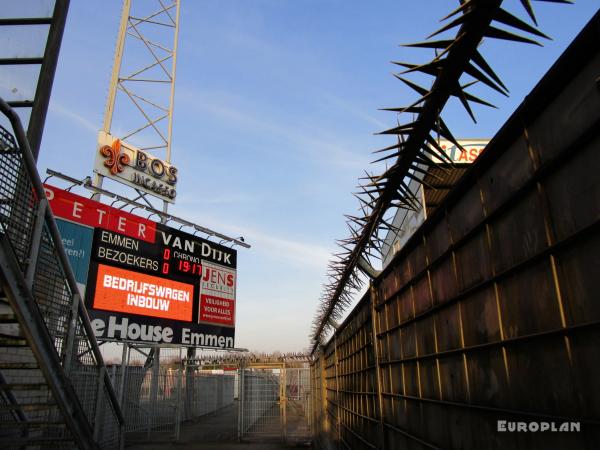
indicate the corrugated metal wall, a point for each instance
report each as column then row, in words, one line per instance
column 491, row 311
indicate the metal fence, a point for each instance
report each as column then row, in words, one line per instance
column 297, row 420
column 159, row 389
column 275, row 404
column 260, row 412
column 28, row 226
column 156, row 394
column 490, row 311
column 345, row 408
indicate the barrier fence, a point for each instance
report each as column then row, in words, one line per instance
column 297, row 406
column 489, row 314
column 260, row 405
column 161, row 388
column 61, row 353
column 275, row 405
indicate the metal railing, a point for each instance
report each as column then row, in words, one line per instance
column 74, row 365
column 260, row 403
column 297, row 406
column 275, row 404
column 160, row 392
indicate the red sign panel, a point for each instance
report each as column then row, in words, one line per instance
column 125, row 291
column 217, row 294
column 78, row 209
column 217, row 309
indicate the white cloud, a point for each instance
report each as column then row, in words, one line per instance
column 276, row 247
column 296, row 251
column 67, row 112
column 331, row 151
column 222, row 199
column 354, row 110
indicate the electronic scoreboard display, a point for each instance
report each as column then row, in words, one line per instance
column 145, row 281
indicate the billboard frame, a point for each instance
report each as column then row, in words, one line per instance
column 115, row 325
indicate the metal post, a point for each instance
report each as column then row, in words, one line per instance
column 323, row 404
column 69, row 349
column 125, row 359
column 373, row 299
column 179, row 396
column 36, row 240
column 46, row 78
column 124, row 365
column 219, row 400
column 113, row 374
column 154, row 388
column 241, row 402
column 114, row 78
column 309, row 401
column 189, row 383
column 98, row 422
column 122, row 436
column 172, row 98
column 165, row 209
column 114, row 81
column 338, row 419
column 283, row 403
column 98, row 181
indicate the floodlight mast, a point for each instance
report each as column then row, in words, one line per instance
column 148, row 29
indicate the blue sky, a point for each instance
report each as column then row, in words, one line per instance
column 275, row 113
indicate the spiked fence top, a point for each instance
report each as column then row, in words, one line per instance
column 417, row 148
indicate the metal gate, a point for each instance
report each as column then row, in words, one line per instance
column 274, row 405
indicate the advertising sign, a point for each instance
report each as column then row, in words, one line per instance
column 136, row 168
column 407, row 221
column 77, row 246
column 145, row 281
column 122, row 290
column 473, row 147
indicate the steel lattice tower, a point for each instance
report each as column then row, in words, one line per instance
column 139, row 108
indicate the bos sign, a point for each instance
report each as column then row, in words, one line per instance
column 136, row 168
column 144, row 281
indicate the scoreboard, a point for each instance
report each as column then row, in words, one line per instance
column 145, row 281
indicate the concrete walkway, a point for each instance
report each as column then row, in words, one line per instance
column 216, row 431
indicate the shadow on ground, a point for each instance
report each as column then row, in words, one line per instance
column 216, row 431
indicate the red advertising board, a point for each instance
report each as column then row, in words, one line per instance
column 84, row 211
column 122, row 290
column 217, row 295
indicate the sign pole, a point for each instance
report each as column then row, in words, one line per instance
column 124, row 364
column 154, row 388
column 112, row 88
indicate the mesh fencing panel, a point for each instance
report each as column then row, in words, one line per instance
column 160, row 393
column 36, row 250
column 17, row 201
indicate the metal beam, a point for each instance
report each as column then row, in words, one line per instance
column 19, row 21
column 20, row 61
column 168, row 217
column 46, row 78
